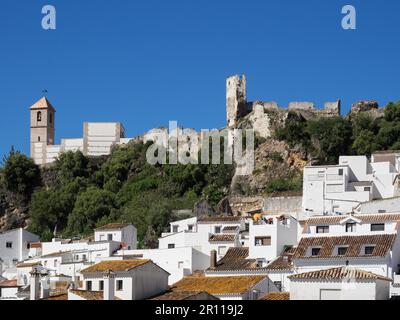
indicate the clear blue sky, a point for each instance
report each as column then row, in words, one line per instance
column 147, row 62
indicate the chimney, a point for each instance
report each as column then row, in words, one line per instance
column 213, row 259
column 34, row 285
column 109, row 285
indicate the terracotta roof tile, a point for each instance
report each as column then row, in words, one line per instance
column 35, row 245
column 90, row 295
column 181, row 295
column 235, row 259
column 8, row 283
column 230, row 229
column 339, row 274
column 222, row 238
column 115, row 265
column 283, row 262
column 28, row 264
column 381, row 217
column 383, row 244
column 277, row 296
column 219, row 219
column 43, row 103
column 218, row 285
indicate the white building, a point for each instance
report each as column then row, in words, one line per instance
column 124, row 233
column 9, row 289
column 124, row 279
column 205, row 234
column 342, row 283
column 366, row 242
column 178, row 262
column 229, row 287
column 14, row 247
column 341, row 188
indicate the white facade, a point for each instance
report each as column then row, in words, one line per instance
column 179, row 262
column 14, row 247
column 269, row 236
column 341, row 188
column 339, row 290
column 126, row 234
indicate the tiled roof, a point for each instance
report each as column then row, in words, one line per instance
column 63, row 296
column 283, row 262
column 113, row 226
column 383, row 244
column 219, row 219
column 55, row 254
column 35, row 245
column 8, row 284
column 218, row 285
column 180, row 295
column 222, row 238
column 28, row 264
column 380, row 217
column 43, row 103
column 277, row 296
column 89, row 295
column 229, row 229
column 235, row 259
column 339, row 274
column 115, row 265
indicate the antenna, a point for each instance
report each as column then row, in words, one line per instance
column 44, row 93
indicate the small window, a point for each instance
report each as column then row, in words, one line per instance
column 120, row 285
column 247, row 227
column 51, row 118
column 340, row 172
column 180, row 265
column 55, row 263
column 315, row 251
column 260, row 263
column 38, row 139
column 174, row 229
column 322, row 229
column 171, row 245
column 84, row 257
column 39, row 116
column 217, row 229
column 190, row 227
column 262, row 241
column 367, row 189
column 222, row 250
column 9, row 245
column 278, row 284
column 76, row 257
column 342, row 251
column 101, row 285
column 89, row 285
column 109, row 237
column 377, row 227
column 369, row 250
column 351, row 227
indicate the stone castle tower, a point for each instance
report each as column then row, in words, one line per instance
column 42, row 124
column 236, row 99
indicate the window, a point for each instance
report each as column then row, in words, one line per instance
column 89, row 285
column 76, row 257
column 260, row 263
column 367, row 189
column 45, row 263
column 278, row 284
column 315, row 251
column 190, row 227
column 55, row 263
column 340, row 172
column 262, row 241
column 101, row 285
column 247, row 227
column 341, row 251
column 38, row 138
column 109, row 237
column 171, row 245
column 9, row 245
column 217, row 229
column 368, row 250
column 351, row 227
column 322, row 229
column 120, row 285
column 174, row 229
column 180, row 265
column 377, row 227
column 222, row 250
column 39, row 116
column 84, row 257
column 51, row 118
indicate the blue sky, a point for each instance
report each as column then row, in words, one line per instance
column 147, row 62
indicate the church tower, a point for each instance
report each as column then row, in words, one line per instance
column 42, row 124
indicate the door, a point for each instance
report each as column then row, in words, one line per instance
column 330, row 294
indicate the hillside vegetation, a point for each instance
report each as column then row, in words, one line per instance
column 76, row 193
